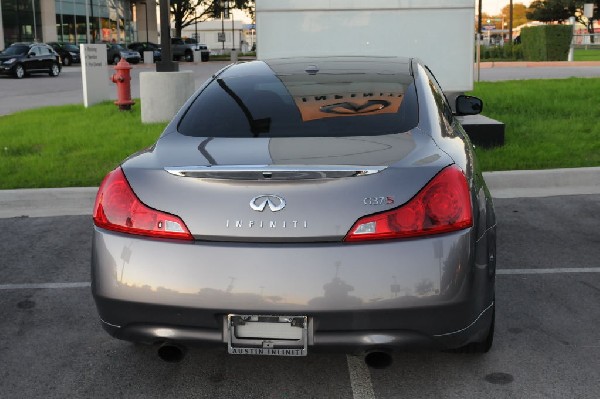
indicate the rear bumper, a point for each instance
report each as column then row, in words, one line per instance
column 416, row 293
column 347, row 341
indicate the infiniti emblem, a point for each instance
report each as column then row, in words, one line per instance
column 275, row 202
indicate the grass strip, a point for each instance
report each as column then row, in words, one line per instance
column 549, row 123
column 69, row 146
column 590, row 54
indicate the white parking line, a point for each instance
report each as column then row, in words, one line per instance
column 43, row 286
column 559, row 270
column 360, row 378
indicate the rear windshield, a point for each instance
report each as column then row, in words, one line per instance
column 267, row 105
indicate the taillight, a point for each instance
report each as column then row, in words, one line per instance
column 117, row 208
column 443, row 205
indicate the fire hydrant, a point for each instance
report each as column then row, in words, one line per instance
column 123, row 80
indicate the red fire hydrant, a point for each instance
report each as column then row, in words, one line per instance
column 123, row 80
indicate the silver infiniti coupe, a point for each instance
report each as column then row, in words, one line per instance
column 297, row 204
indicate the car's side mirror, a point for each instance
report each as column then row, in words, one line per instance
column 468, row 105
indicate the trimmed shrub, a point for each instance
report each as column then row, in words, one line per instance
column 508, row 52
column 546, row 42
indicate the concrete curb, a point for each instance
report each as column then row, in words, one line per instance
column 507, row 184
column 537, row 64
column 543, row 183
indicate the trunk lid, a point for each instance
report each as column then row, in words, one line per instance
column 282, row 189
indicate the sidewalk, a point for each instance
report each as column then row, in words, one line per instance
column 510, row 184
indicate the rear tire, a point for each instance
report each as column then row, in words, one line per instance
column 189, row 57
column 67, row 61
column 116, row 59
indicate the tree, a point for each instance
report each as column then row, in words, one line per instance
column 519, row 11
column 550, row 10
column 188, row 12
column 561, row 10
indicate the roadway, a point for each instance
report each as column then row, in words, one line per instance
column 41, row 90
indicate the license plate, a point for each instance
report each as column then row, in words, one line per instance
column 267, row 335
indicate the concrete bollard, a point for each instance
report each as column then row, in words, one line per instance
column 197, row 56
column 163, row 93
column 148, row 57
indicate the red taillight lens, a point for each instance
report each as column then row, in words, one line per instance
column 443, row 205
column 117, row 208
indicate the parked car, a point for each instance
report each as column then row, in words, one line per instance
column 304, row 203
column 203, row 48
column 185, row 48
column 69, row 53
column 115, row 51
column 140, row 47
column 21, row 59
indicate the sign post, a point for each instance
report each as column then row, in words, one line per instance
column 94, row 73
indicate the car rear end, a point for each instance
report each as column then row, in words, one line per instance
column 312, row 211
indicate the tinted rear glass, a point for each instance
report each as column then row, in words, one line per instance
column 303, row 105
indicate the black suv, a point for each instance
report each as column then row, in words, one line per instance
column 69, row 52
column 21, row 59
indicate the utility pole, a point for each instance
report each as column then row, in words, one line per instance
column 510, row 22
column 479, row 18
column 232, row 32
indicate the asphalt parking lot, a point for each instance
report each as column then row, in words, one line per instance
column 548, row 308
column 547, row 341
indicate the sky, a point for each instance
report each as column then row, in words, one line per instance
column 494, row 7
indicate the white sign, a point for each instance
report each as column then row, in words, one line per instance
column 94, row 74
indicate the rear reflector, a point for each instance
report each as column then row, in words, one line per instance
column 443, row 205
column 117, row 208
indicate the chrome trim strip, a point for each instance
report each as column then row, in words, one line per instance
column 469, row 326
column 107, row 323
column 189, row 171
column 485, row 232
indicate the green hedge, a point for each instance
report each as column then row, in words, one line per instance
column 546, row 42
column 508, row 52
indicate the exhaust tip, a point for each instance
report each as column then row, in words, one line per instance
column 378, row 360
column 171, row 353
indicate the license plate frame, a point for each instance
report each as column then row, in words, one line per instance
column 266, row 335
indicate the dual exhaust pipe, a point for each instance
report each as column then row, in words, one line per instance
column 171, row 353
column 174, row 353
